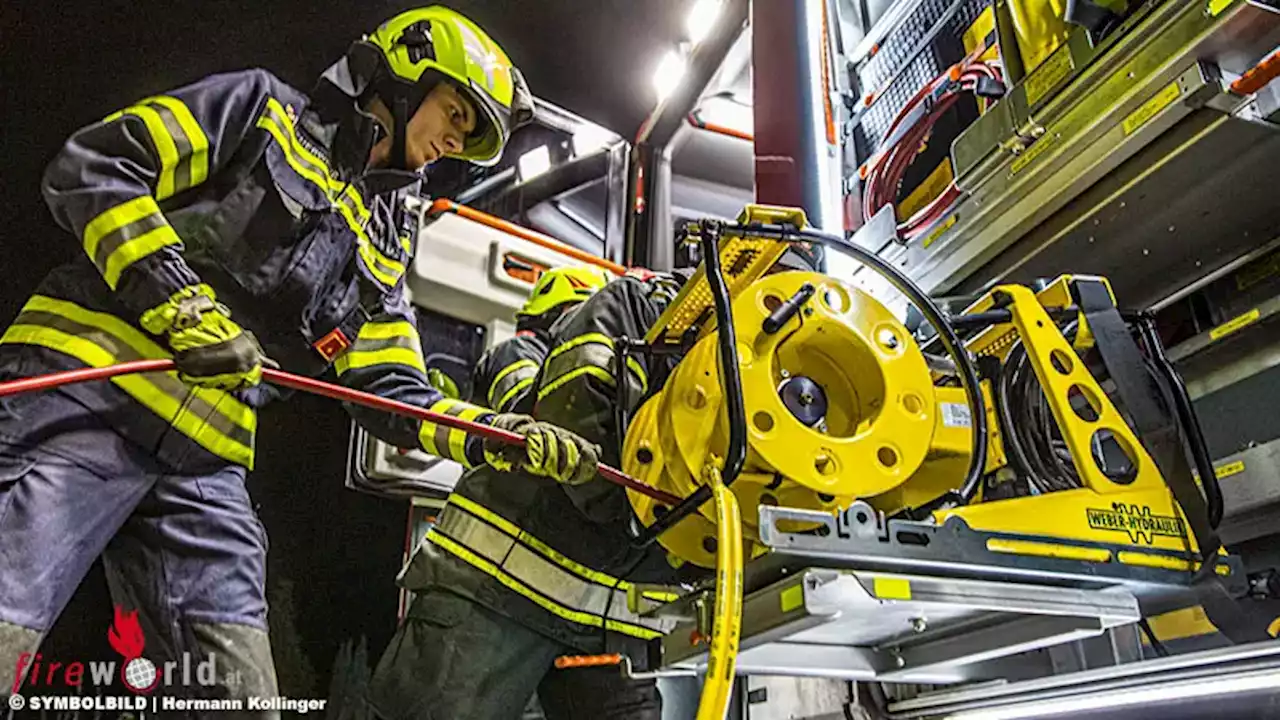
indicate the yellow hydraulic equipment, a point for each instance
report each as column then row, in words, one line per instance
column 840, row 404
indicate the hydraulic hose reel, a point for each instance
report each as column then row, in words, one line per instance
column 839, row 405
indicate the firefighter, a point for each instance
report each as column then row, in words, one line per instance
column 228, row 213
column 505, row 373
column 521, row 569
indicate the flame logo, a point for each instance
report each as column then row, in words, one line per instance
column 125, row 634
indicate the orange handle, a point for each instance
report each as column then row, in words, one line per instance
column 445, row 205
column 1259, row 76
column 565, row 662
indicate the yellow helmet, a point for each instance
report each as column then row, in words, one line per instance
column 425, row 45
column 562, row 285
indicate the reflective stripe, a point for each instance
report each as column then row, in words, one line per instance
column 342, row 196
column 445, row 441
column 212, row 418
column 515, row 377
column 590, row 354
column 126, row 233
column 383, row 343
column 536, row 572
column 181, row 146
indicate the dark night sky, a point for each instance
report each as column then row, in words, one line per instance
column 66, row 64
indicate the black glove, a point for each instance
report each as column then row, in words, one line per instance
column 549, row 450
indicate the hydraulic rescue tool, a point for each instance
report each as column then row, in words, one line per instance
column 1001, row 479
column 983, row 452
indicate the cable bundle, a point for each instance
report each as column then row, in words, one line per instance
column 883, row 174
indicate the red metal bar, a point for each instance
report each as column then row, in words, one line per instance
column 697, row 122
column 329, row 390
column 537, row 238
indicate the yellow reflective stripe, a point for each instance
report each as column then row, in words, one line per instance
column 485, row 514
column 124, row 234
column 528, row 369
column 390, row 329
column 142, row 388
column 587, row 364
column 545, row 550
column 238, row 412
column 287, row 135
column 166, row 149
column 136, row 249
column 512, row 393
column 342, row 196
column 592, row 370
column 444, row 441
column 352, row 360
column 198, row 157
column 510, row 369
column 583, row 339
column 181, row 146
column 547, row 604
column 383, row 343
column 309, row 173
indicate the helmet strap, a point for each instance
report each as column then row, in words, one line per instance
column 400, row 117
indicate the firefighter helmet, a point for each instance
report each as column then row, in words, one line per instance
column 562, row 285
column 420, row 47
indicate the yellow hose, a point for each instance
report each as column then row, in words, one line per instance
column 723, row 655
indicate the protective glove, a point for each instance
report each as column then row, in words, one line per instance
column 210, row 349
column 549, row 450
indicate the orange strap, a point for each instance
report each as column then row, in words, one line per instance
column 565, row 662
column 445, row 205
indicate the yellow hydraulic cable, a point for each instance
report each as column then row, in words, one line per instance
column 723, row 655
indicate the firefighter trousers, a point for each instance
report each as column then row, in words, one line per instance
column 186, row 551
column 453, row 659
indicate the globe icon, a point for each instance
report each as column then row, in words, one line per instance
column 140, row 674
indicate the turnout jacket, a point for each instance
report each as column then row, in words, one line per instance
column 231, row 182
column 559, row 558
column 503, row 378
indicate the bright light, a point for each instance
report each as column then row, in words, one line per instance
column 726, row 112
column 667, row 77
column 702, row 17
column 590, row 137
column 534, row 163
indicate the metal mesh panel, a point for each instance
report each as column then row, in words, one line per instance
column 897, row 72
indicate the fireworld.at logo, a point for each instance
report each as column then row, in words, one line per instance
column 139, row 674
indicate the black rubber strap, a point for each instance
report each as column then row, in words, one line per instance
column 1156, row 428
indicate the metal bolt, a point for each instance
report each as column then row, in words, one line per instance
column 899, row 661
column 784, row 373
column 1091, row 239
column 1145, row 251
column 919, row 625
column 806, row 398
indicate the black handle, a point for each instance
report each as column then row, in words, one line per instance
column 787, row 309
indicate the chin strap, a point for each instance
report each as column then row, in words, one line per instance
column 399, row 158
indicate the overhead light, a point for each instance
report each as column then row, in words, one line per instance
column 534, row 163
column 702, row 17
column 590, row 137
column 669, row 73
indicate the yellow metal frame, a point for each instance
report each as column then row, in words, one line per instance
column 1141, row 513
